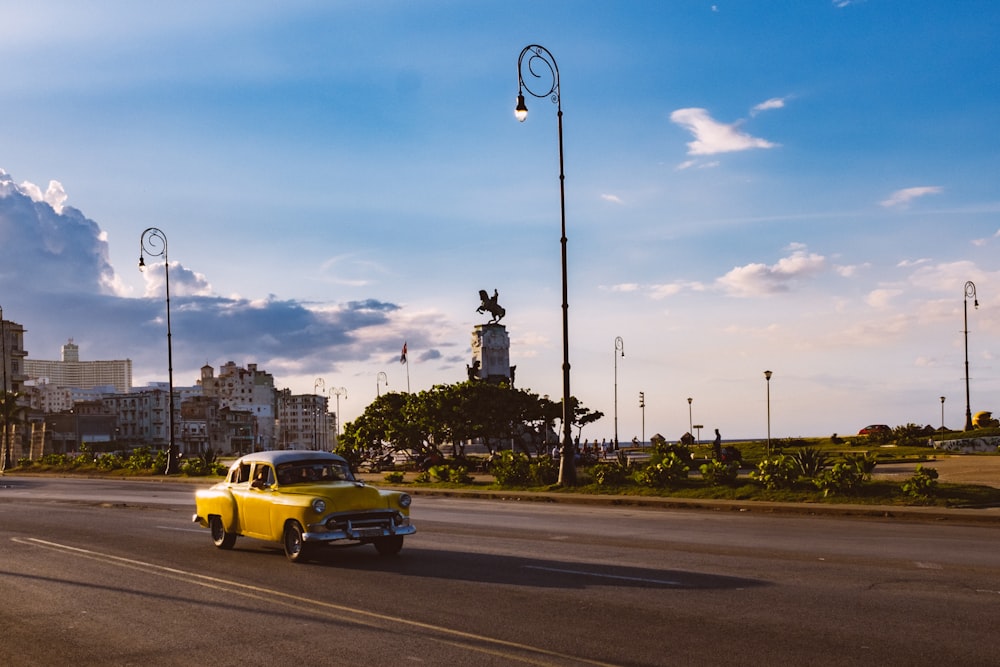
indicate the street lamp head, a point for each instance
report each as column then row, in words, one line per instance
column 521, row 110
column 689, row 400
column 767, row 375
column 142, row 263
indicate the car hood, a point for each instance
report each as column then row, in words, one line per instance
column 343, row 496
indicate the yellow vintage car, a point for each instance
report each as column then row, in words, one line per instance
column 301, row 500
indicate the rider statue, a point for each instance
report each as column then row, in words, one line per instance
column 489, row 304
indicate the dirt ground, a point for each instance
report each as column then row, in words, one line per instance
column 967, row 469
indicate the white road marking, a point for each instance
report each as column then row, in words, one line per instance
column 464, row 640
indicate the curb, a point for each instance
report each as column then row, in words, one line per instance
column 986, row 515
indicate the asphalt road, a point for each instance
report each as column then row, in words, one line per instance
column 113, row 573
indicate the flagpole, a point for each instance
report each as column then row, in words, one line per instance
column 403, row 359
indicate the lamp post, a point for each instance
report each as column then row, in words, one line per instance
column 942, row 414
column 3, row 389
column 318, row 385
column 154, row 242
column 338, row 392
column 690, row 418
column 619, row 347
column 380, row 378
column 970, row 292
column 538, row 62
column 767, row 378
column 642, row 407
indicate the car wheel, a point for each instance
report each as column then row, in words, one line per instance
column 220, row 537
column 389, row 546
column 296, row 549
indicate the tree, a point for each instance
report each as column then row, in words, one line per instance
column 420, row 424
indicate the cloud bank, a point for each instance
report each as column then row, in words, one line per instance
column 56, row 280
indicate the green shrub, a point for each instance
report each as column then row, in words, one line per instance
column 810, row 462
column 922, row 485
column 843, row 478
column 775, row 473
column 544, row 471
column 865, row 463
column 394, row 477
column 110, row 462
column 449, row 473
column 720, row 473
column 669, row 469
column 511, row 468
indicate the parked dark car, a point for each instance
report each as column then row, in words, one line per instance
column 872, row 429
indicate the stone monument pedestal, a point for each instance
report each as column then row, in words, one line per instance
column 491, row 354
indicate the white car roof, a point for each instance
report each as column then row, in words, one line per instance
column 289, row 456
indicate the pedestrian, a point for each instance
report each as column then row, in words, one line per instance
column 717, row 446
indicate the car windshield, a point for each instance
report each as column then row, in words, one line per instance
column 313, row 471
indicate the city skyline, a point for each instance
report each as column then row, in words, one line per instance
column 803, row 189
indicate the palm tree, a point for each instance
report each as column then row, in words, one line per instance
column 9, row 414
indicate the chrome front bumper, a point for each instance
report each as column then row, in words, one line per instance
column 358, row 527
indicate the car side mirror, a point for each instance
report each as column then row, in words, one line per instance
column 257, row 484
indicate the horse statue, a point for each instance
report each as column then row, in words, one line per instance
column 489, row 304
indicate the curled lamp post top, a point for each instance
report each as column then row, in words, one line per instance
column 154, row 242
column 620, row 345
column 542, row 70
column 970, row 292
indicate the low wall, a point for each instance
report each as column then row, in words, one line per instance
column 969, row 445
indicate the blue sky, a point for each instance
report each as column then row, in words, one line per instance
column 799, row 186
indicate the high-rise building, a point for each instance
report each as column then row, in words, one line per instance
column 71, row 372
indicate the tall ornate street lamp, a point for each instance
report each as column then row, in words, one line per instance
column 154, row 242
column 690, row 418
column 942, row 414
column 380, row 378
column 619, row 348
column 970, row 293
column 767, row 378
column 543, row 73
column 319, row 385
column 338, row 392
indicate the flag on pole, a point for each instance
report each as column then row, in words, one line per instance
column 402, row 357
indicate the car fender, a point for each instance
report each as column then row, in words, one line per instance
column 219, row 502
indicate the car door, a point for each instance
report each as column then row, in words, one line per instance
column 257, row 500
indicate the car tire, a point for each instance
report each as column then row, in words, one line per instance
column 296, row 548
column 220, row 537
column 389, row 546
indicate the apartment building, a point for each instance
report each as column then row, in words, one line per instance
column 69, row 371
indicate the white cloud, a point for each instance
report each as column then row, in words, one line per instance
column 850, row 270
column 625, row 287
column 55, row 195
column 767, row 105
column 183, row 282
column 712, row 137
column 881, row 298
column 902, row 198
column 759, row 279
column 614, row 199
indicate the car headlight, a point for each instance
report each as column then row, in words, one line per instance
column 405, row 500
column 319, row 505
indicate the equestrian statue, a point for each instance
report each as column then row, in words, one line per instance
column 489, row 304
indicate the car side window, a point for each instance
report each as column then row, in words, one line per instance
column 263, row 475
column 244, row 474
